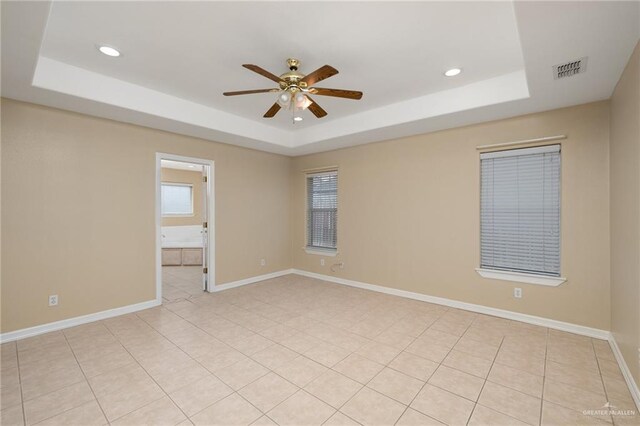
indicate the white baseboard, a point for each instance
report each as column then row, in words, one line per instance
column 250, row 280
column 530, row 319
column 72, row 322
column 631, row 383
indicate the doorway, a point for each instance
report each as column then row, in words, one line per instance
column 185, row 249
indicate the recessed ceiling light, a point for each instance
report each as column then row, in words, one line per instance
column 109, row 51
column 452, row 72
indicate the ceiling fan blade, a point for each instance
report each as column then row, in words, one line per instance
column 316, row 109
column 320, row 74
column 338, row 93
column 249, row 92
column 262, row 72
column 272, row 111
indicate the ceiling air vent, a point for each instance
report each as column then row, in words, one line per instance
column 570, row 68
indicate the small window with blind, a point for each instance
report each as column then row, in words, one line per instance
column 322, row 211
column 176, row 199
column 520, row 211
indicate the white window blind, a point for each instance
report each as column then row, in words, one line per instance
column 322, row 210
column 520, row 210
column 177, row 199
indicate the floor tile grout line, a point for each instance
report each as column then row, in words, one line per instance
column 57, row 390
column 544, row 377
column 213, row 373
column 573, row 387
column 174, row 344
column 439, row 363
column 188, row 320
column 385, row 366
column 146, row 372
column 415, row 338
column 519, row 391
column 86, row 378
column 46, row 393
column 299, row 388
column 606, row 394
column 295, row 393
column 347, row 416
column 275, row 342
column 486, row 380
column 24, row 414
column 262, row 413
column 198, row 362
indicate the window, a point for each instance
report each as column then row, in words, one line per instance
column 177, row 199
column 322, row 210
column 520, row 211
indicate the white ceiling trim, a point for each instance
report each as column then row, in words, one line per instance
column 64, row 78
column 60, row 77
column 498, row 90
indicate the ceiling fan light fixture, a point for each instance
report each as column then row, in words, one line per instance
column 299, row 99
column 109, row 51
column 452, row 72
column 284, row 99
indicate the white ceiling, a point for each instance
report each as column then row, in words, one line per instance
column 178, row 58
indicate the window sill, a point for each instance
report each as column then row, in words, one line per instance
column 320, row 251
column 520, row 277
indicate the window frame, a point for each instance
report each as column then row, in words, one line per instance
column 542, row 278
column 191, row 193
column 309, row 248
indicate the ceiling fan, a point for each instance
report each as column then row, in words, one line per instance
column 294, row 89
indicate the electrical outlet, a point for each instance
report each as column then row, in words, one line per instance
column 517, row 293
column 263, row 262
column 321, row 262
column 53, row 300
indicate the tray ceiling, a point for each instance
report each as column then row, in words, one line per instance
column 178, row 58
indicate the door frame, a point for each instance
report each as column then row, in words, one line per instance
column 210, row 219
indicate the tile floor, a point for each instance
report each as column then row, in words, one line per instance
column 299, row 351
column 181, row 282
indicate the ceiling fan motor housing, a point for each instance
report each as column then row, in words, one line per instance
column 291, row 79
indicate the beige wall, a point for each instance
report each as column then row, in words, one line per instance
column 69, row 185
column 409, row 215
column 193, row 178
column 625, row 213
